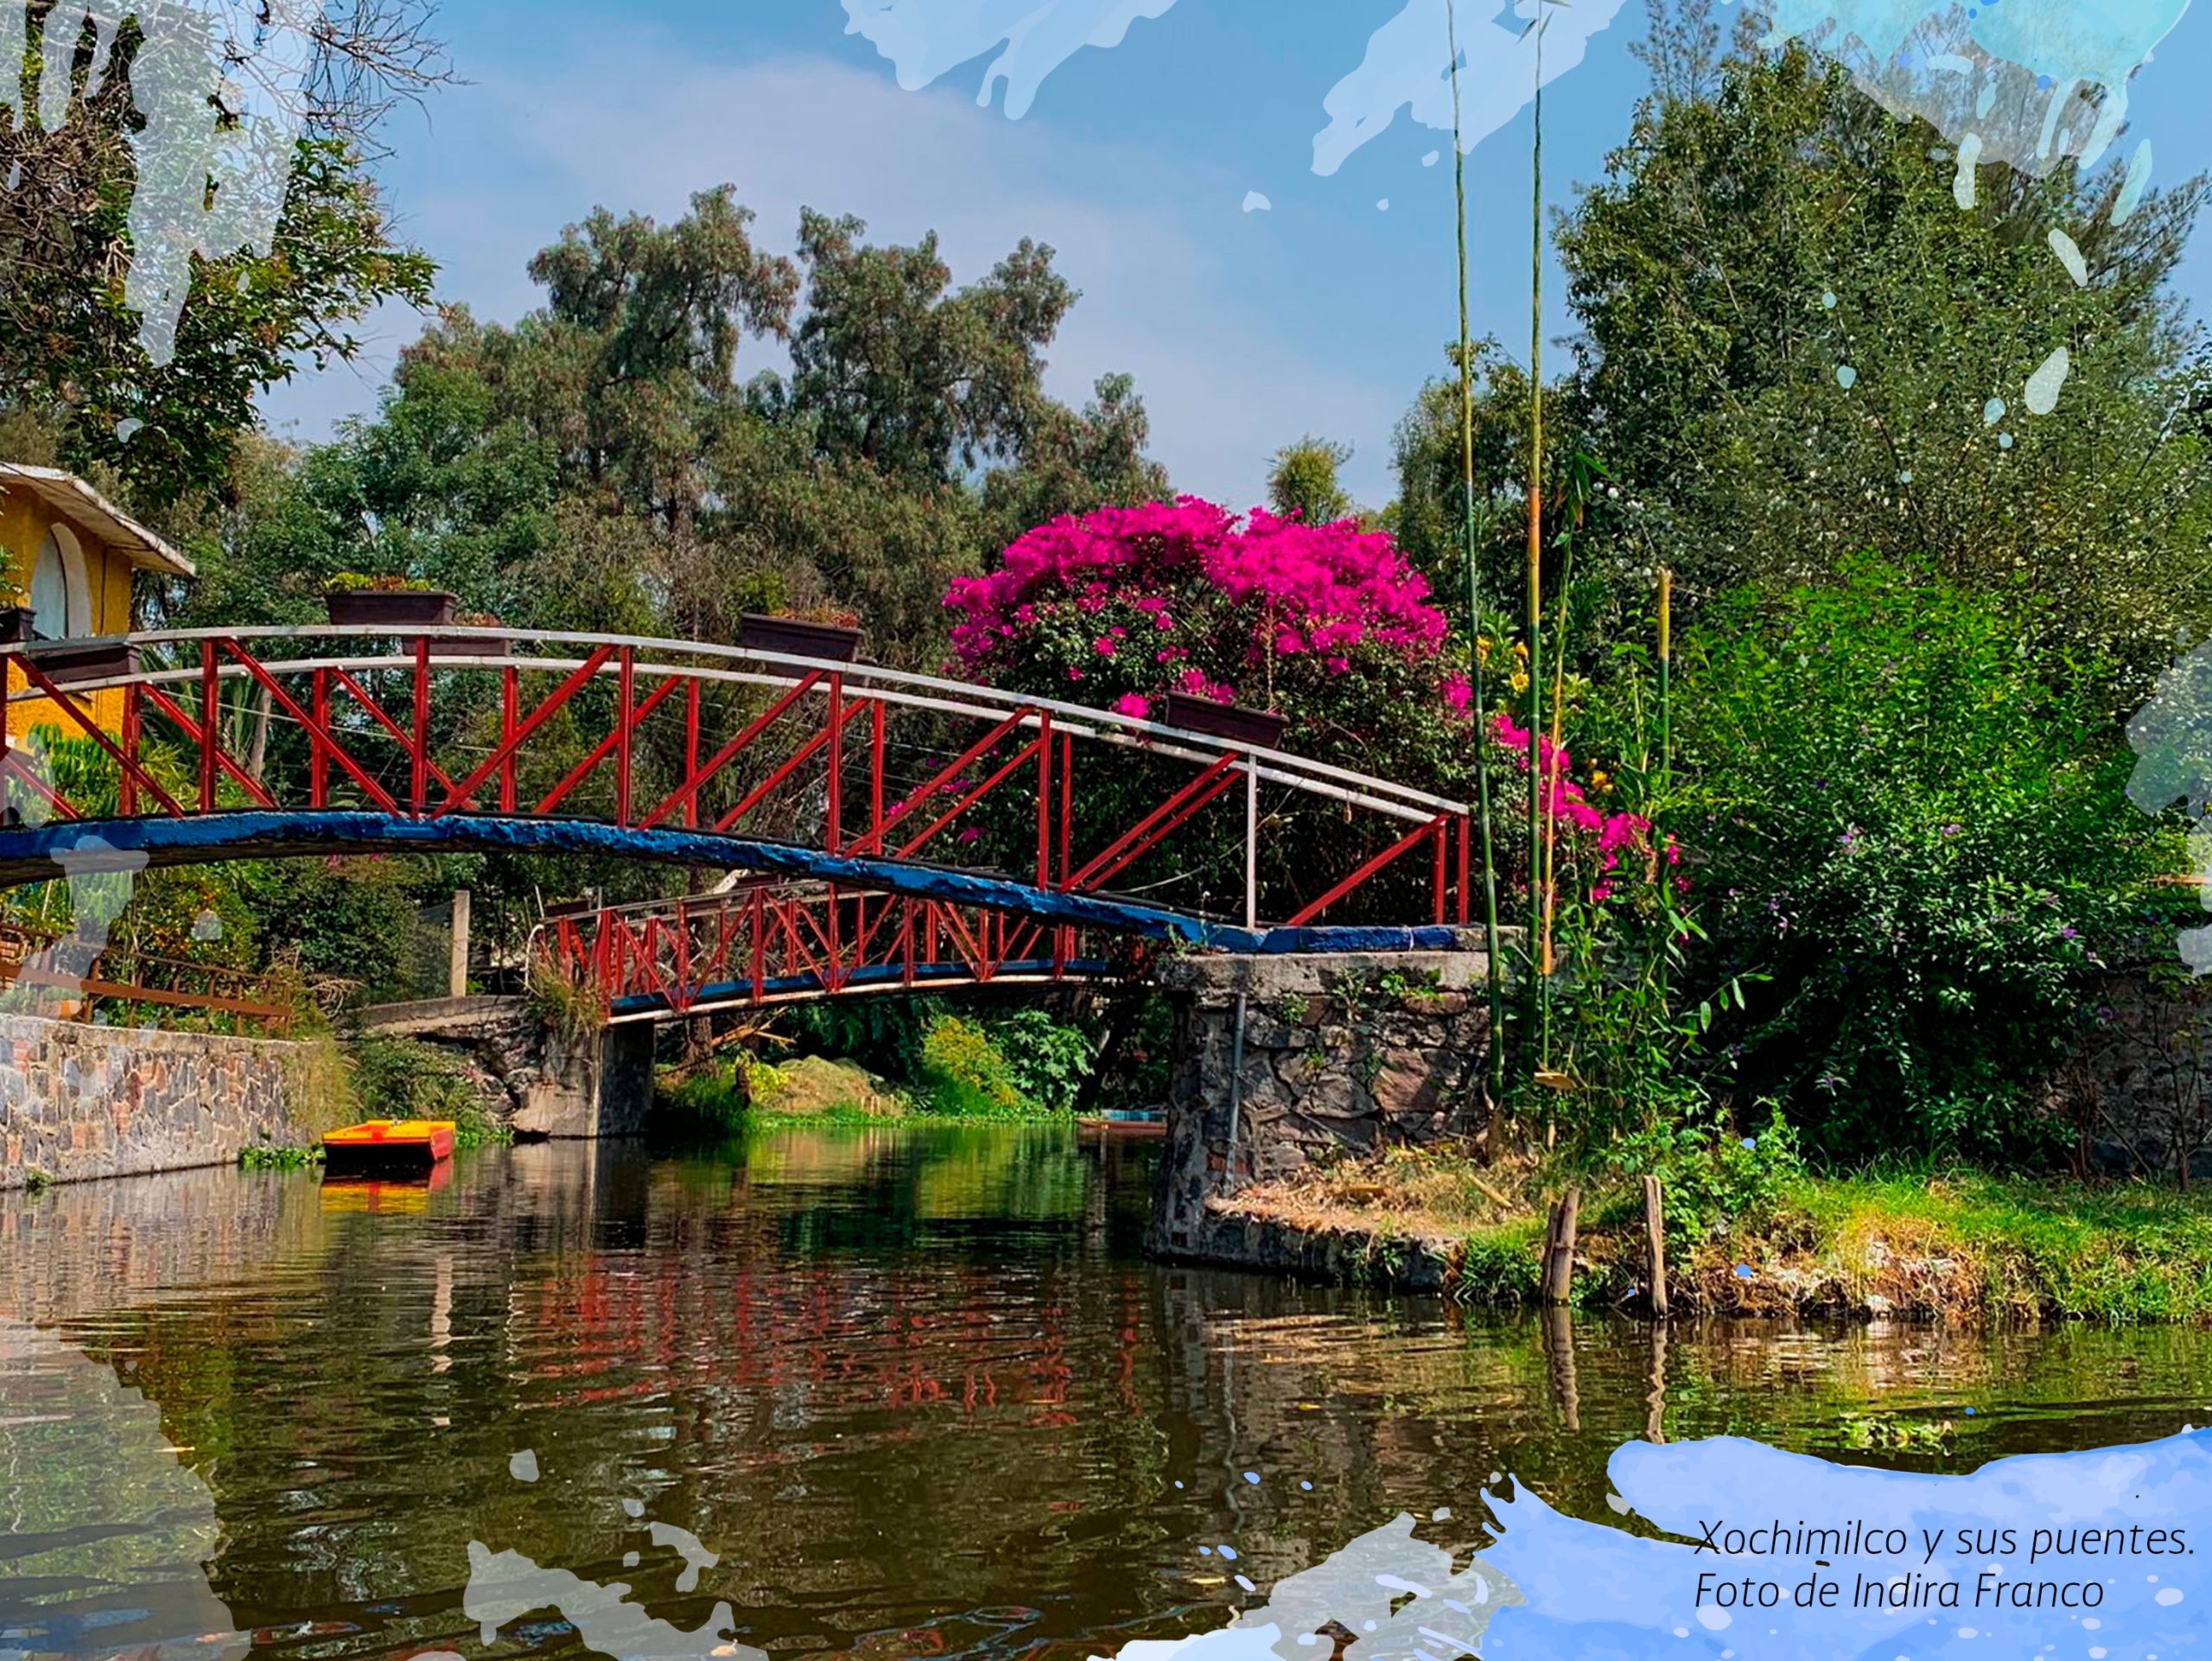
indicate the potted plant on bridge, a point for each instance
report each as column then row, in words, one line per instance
column 393, row 603
column 17, row 625
column 828, row 632
column 1262, row 727
column 66, row 662
column 495, row 646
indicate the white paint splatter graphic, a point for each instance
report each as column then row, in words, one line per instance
column 2070, row 255
column 1963, row 183
column 218, row 85
column 2044, row 384
column 2038, row 80
column 1405, row 65
column 925, row 39
column 109, row 1533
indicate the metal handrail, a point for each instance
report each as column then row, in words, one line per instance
column 902, row 687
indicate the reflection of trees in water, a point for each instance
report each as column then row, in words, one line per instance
column 91, row 1246
column 107, row 1531
column 887, row 1379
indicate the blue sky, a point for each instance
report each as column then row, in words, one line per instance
column 1244, row 330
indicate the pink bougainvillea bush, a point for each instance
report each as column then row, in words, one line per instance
column 1615, row 849
column 1328, row 625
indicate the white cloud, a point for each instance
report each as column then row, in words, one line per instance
column 639, row 124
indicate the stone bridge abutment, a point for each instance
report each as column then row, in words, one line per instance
column 1282, row 1062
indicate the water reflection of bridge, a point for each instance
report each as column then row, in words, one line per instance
column 889, row 1377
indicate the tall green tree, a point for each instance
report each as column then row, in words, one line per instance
column 892, row 365
column 70, row 347
column 1805, row 331
column 1303, row 481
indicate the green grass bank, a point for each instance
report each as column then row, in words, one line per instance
column 1927, row 1245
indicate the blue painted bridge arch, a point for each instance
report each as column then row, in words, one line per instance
column 43, row 853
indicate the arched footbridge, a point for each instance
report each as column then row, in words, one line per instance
column 893, row 829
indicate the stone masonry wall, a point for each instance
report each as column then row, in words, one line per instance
column 537, row 1083
column 1342, row 1054
column 79, row 1101
column 2139, row 1094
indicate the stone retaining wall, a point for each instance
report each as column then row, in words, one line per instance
column 537, row 1083
column 2139, row 1094
column 1337, row 1054
column 79, row 1101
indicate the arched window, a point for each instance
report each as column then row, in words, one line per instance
column 60, row 599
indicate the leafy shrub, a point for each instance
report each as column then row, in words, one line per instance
column 883, row 1033
column 963, row 1072
column 562, row 1004
column 1711, row 1178
column 710, row 1099
column 404, row 1078
column 761, row 1084
column 1915, row 831
column 1047, row 1059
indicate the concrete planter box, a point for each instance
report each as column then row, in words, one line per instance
column 86, row 660
column 795, row 637
column 1259, row 727
column 394, row 609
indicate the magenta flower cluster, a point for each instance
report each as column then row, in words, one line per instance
column 1299, row 589
column 1563, row 799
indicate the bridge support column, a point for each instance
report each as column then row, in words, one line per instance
column 1281, row 1059
column 600, row 1085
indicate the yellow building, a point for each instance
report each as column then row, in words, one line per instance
column 69, row 554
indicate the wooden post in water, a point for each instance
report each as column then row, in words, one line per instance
column 1654, row 1238
column 1559, row 1248
column 1559, row 1358
column 457, row 957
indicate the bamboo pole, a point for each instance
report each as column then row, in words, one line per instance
column 1559, row 1248
column 1655, row 1244
column 1536, row 624
column 1666, row 678
column 1553, row 769
column 1477, row 703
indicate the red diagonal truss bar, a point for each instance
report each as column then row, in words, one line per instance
column 511, row 741
column 791, row 764
column 378, row 714
column 1434, row 828
column 12, row 766
column 318, row 731
column 1146, row 834
column 91, row 728
column 685, row 794
column 1020, row 758
column 615, row 742
column 872, row 842
column 155, row 695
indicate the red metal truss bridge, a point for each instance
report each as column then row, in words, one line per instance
column 896, row 828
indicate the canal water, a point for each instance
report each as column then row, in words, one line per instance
column 917, row 1389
